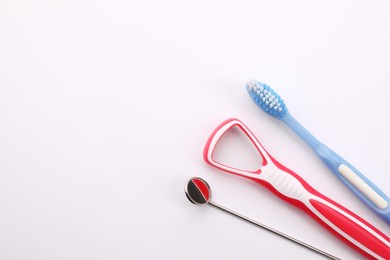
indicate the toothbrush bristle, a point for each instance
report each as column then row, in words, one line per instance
column 266, row 98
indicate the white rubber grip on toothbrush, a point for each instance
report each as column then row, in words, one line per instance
column 362, row 186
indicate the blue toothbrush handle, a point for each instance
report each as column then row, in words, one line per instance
column 359, row 184
column 363, row 188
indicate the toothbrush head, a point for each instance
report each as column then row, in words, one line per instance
column 266, row 99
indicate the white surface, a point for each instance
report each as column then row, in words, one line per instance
column 105, row 108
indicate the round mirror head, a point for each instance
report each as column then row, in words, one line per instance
column 198, row 191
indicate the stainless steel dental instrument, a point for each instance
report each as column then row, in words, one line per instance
column 198, row 192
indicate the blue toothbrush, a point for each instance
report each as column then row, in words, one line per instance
column 271, row 103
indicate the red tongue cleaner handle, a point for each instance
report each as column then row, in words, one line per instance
column 290, row 187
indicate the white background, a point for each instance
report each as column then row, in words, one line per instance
column 105, row 107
